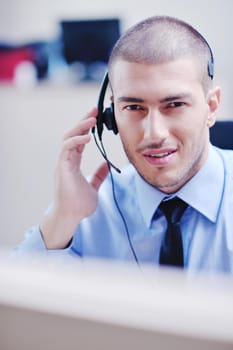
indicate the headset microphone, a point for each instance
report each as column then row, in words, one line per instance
column 106, row 118
column 104, row 155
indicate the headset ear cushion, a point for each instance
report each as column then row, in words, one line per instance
column 109, row 119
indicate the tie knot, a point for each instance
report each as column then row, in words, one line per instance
column 173, row 209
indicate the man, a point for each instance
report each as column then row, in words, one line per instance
column 161, row 78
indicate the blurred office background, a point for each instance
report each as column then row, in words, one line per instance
column 45, row 87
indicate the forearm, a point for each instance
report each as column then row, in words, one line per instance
column 57, row 229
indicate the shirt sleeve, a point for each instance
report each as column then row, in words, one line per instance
column 33, row 241
column 33, row 249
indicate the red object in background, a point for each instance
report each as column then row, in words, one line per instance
column 9, row 59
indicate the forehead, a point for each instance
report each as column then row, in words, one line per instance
column 137, row 78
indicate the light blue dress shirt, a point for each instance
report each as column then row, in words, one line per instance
column 207, row 224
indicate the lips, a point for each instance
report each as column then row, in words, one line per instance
column 159, row 157
column 158, row 153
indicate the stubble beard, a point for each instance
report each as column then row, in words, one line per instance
column 170, row 186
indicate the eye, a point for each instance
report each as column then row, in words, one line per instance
column 133, row 108
column 175, row 104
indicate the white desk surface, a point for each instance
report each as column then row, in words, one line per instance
column 148, row 301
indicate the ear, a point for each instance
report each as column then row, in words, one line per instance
column 213, row 101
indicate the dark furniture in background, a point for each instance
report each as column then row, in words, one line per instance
column 221, row 134
column 89, row 42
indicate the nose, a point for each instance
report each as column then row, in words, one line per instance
column 155, row 126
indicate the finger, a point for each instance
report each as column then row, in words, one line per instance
column 100, row 176
column 75, row 144
column 83, row 126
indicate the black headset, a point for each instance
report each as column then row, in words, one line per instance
column 105, row 115
column 210, row 66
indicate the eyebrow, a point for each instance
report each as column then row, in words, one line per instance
column 175, row 97
column 163, row 100
column 130, row 99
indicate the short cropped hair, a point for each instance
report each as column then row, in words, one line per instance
column 162, row 39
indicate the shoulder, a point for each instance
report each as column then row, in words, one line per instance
column 227, row 158
column 118, row 190
column 123, row 182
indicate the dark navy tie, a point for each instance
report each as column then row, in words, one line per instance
column 171, row 251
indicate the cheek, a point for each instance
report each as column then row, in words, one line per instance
column 127, row 137
column 130, row 132
column 192, row 128
column 126, row 127
column 193, row 138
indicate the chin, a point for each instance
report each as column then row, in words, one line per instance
column 164, row 183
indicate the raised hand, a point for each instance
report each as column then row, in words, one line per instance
column 75, row 197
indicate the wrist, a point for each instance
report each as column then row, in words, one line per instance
column 57, row 229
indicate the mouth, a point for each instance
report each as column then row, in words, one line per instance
column 158, row 153
column 160, row 157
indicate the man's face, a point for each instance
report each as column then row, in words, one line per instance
column 163, row 117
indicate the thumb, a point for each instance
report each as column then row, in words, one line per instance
column 99, row 176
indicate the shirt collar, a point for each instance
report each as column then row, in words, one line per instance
column 203, row 192
column 149, row 198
